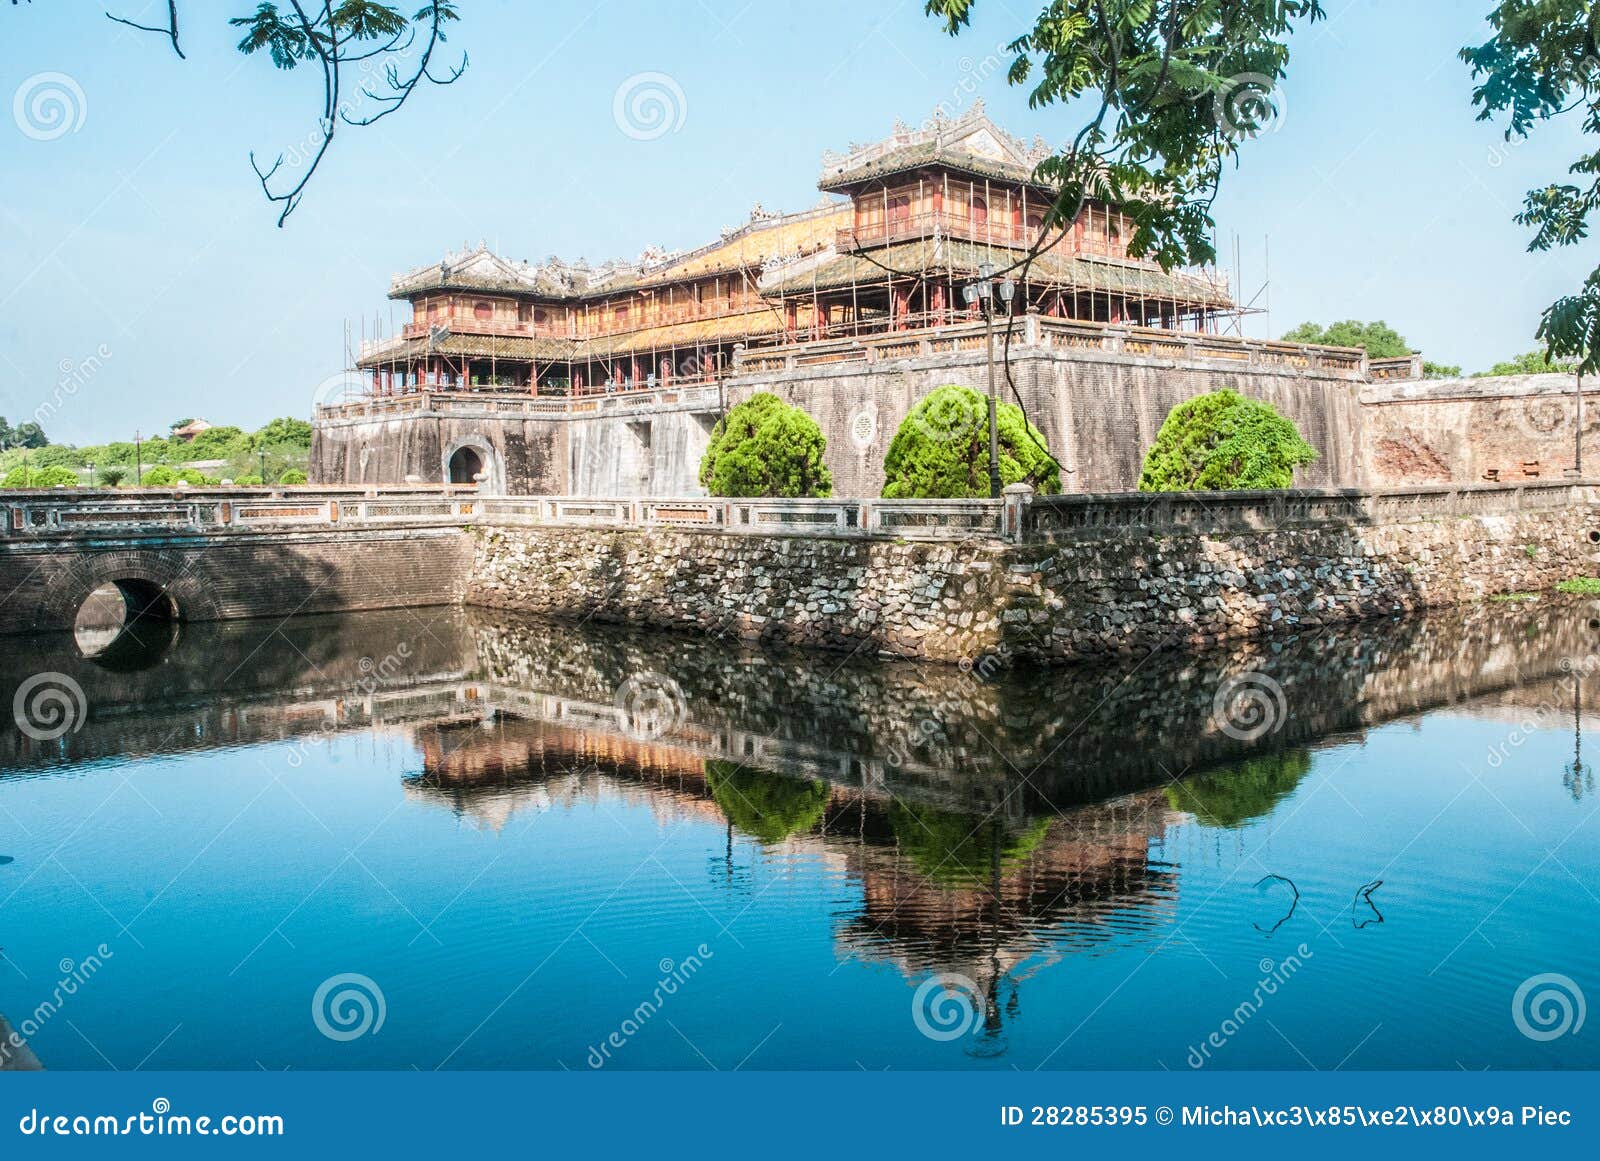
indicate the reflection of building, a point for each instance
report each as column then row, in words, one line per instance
column 973, row 894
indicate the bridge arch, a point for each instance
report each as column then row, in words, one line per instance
column 155, row 585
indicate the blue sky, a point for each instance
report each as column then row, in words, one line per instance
column 138, row 246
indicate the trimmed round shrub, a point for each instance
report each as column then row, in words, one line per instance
column 941, row 451
column 765, row 447
column 248, row 482
column 51, row 477
column 1223, row 441
column 292, row 476
column 160, row 476
column 769, row 807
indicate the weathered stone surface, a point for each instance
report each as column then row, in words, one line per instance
column 1092, row 596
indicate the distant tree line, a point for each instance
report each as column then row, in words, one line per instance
column 1381, row 341
column 277, row 452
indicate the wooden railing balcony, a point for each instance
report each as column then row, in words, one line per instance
column 914, row 226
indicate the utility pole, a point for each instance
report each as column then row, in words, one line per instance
column 138, row 459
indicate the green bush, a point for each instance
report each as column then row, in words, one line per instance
column 769, row 807
column 49, row 477
column 248, row 481
column 195, row 478
column 292, row 476
column 1587, row 586
column 1231, row 797
column 941, row 450
column 961, row 849
column 160, row 476
column 1224, row 441
column 112, row 476
column 764, row 447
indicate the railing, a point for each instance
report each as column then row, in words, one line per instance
column 967, row 337
column 1403, row 367
column 700, row 396
column 849, row 238
column 53, row 514
column 1067, row 517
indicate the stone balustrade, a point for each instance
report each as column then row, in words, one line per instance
column 1020, row 517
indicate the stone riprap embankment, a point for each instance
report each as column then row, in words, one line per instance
column 1083, row 595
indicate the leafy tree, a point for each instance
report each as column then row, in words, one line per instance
column 27, row 435
column 1528, row 363
column 1170, row 90
column 287, row 431
column 957, row 848
column 218, row 443
column 1542, row 64
column 1431, row 370
column 1240, row 794
column 941, row 450
column 1222, row 440
column 294, row 476
column 769, row 807
column 764, row 447
column 57, row 455
column 32, row 477
column 1378, row 339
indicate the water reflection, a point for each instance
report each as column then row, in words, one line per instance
column 988, row 829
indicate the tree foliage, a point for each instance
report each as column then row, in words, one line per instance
column 766, row 806
column 1223, row 441
column 764, row 447
column 1240, row 794
column 941, row 450
column 1378, row 339
column 29, row 435
column 27, row 476
column 393, row 55
column 961, row 849
column 1542, row 64
column 1527, row 363
column 1173, row 88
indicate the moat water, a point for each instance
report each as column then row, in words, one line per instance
column 442, row 839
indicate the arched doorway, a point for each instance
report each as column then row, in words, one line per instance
column 473, row 461
column 465, row 466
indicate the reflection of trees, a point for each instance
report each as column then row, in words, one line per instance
column 953, row 847
column 769, row 807
column 1242, row 792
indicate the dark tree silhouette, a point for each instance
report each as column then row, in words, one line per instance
column 393, row 52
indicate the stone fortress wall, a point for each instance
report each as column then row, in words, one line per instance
column 1099, row 399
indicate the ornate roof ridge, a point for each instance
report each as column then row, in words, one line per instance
column 941, row 132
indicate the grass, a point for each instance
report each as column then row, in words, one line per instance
column 1514, row 597
column 1588, row 586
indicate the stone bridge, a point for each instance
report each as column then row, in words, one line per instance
column 176, row 555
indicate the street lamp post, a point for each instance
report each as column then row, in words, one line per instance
column 90, row 468
column 982, row 293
